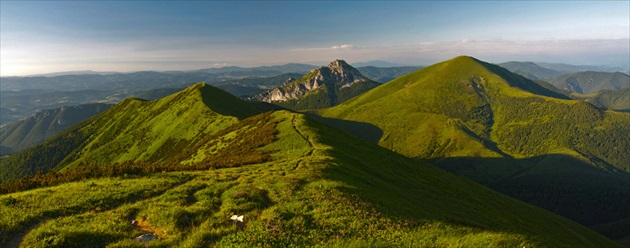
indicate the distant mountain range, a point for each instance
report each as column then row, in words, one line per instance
column 588, row 82
column 386, row 74
column 261, row 70
column 531, row 70
column 43, row 125
column 85, row 72
column 236, row 70
column 21, row 97
column 379, row 63
column 567, row 68
column 576, row 79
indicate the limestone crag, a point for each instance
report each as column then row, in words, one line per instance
column 337, row 75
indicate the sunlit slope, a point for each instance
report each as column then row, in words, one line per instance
column 465, row 107
column 135, row 130
column 321, row 188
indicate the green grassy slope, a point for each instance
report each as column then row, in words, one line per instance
column 499, row 113
column 483, row 122
column 321, row 188
column 45, row 124
column 446, row 109
column 135, row 130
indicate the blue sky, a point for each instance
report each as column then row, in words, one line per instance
column 41, row 37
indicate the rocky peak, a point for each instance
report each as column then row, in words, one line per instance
column 288, row 81
column 338, row 64
column 337, row 75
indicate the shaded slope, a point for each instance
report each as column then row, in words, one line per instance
column 323, row 188
column 45, row 124
column 618, row 100
column 477, row 113
column 588, row 82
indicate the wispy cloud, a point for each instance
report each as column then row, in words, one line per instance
column 344, row 46
column 220, row 64
column 335, row 47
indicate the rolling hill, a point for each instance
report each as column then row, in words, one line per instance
column 502, row 130
column 295, row 181
column 45, row 124
column 618, row 100
column 588, row 82
column 531, row 70
column 320, row 88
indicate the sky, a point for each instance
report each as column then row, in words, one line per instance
column 52, row 36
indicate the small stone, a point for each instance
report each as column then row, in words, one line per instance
column 146, row 237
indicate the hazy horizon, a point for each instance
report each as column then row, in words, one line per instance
column 48, row 37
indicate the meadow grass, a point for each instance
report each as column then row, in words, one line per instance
column 322, row 188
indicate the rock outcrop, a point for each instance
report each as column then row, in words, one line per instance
column 335, row 83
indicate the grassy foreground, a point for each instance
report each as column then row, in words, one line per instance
column 322, row 188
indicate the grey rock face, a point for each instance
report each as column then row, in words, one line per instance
column 337, row 75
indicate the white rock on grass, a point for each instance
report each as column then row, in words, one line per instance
column 146, row 237
column 237, row 218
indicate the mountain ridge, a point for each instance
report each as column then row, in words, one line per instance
column 125, row 131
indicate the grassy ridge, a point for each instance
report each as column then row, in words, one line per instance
column 135, row 130
column 323, row 188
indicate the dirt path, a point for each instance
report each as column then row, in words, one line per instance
column 16, row 239
column 310, row 142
